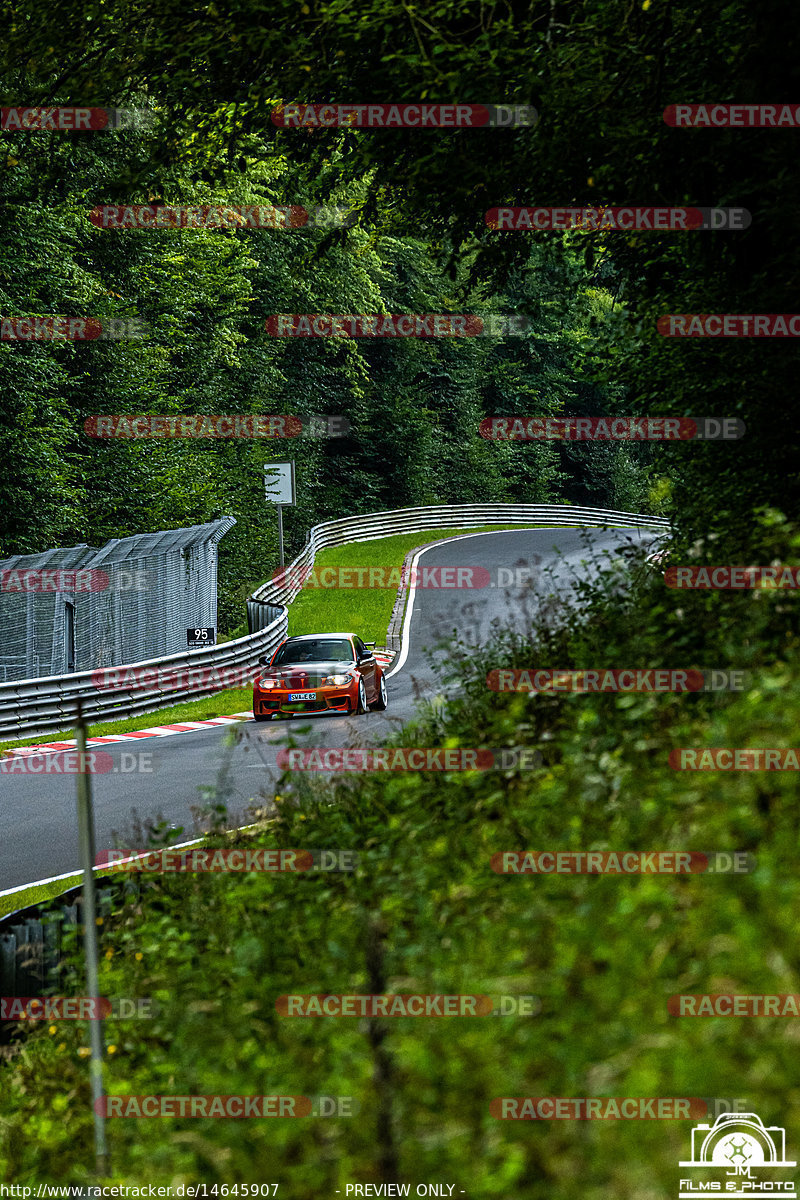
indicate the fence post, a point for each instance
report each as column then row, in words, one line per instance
column 8, row 964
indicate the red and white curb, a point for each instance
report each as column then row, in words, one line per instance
column 156, row 731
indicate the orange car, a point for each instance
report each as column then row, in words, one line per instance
column 325, row 672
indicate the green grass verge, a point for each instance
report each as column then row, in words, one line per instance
column 36, row 895
column 366, row 611
column 42, row 892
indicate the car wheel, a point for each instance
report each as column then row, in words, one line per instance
column 361, row 703
column 382, row 701
column 262, row 716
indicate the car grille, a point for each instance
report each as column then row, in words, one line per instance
column 301, row 681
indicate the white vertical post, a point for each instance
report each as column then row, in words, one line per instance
column 87, row 852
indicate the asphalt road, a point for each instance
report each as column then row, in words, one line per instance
column 166, row 778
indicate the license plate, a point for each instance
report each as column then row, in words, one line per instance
column 302, row 696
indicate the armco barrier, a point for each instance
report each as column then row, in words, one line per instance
column 446, row 516
column 39, row 705
column 33, row 706
column 37, row 941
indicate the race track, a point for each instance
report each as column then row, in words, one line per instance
column 38, row 811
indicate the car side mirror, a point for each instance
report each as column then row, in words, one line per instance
column 264, row 662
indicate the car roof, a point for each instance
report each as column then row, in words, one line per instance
column 315, row 637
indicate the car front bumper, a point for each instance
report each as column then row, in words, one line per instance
column 273, row 701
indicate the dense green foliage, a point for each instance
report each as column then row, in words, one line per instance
column 425, row 912
column 600, row 76
column 414, row 405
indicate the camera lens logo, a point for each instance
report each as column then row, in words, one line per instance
column 740, row 1143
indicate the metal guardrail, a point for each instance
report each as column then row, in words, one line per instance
column 32, row 706
column 445, row 516
column 36, row 942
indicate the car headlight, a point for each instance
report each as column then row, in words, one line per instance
column 337, row 680
column 268, row 683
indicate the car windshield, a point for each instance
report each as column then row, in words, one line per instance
column 314, row 650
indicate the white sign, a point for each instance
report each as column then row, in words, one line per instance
column 279, row 483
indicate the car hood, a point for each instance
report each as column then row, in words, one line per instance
column 312, row 669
